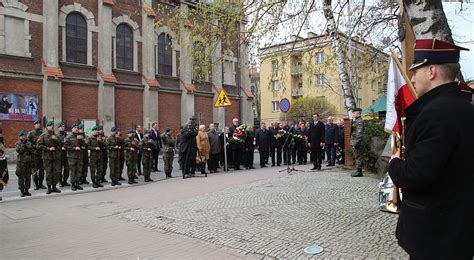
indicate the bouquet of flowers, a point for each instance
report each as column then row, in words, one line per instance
column 239, row 135
column 300, row 139
column 281, row 134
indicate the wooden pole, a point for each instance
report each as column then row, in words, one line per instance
column 405, row 76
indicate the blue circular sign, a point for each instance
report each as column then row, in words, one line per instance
column 284, row 105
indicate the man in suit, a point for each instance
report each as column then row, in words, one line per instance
column 139, row 137
column 275, row 143
column 155, row 136
column 316, row 141
column 262, row 140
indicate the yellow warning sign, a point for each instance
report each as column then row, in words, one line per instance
column 222, row 100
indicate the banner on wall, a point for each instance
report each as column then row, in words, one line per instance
column 18, row 107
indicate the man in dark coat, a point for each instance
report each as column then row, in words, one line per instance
column 236, row 149
column 331, row 137
column 155, row 135
column 139, row 137
column 215, row 144
column 249, row 148
column 301, row 146
column 437, row 178
column 188, row 149
column 316, row 139
column 275, row 143
column 262, row 140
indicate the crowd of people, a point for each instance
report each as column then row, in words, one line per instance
column 65, row 159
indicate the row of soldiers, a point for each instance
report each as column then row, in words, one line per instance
column 59, row 157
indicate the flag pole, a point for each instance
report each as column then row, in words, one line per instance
column 405, row 76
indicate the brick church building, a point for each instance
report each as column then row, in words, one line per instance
column 107, row 61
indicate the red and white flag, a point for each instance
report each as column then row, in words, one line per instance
column 399, row 97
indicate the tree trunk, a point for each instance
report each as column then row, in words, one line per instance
column 429, row 21
column 348, row 93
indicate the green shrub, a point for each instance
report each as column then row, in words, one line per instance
column 373, row 130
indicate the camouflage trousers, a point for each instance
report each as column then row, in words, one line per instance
column 75, row 169
column 131, row 168
column 95, row 164
column 168, row 162
column 23, row 171
column 114, row 165
column 357, row 157
column 52, row 169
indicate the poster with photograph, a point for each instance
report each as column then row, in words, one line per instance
column 18, row 107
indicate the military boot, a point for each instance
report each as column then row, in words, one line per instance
column 78, row 186
column 97, row 181
column 61, row 184
column 35, row 182
column 40, row 184
column 22, row 193
column 73, row 186
column 66, row 184
column 54, row 189
column 27, row 193
column 94, row 184
column 117, row 182
column 49, row 190
column 358, row 173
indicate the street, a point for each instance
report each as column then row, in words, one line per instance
column 254, row 214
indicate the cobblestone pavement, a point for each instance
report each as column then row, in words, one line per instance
column 278, row 217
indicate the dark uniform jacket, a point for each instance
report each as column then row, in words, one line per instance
column 437, row 177
column 301, row 145
column 214, row 142
column 331, row 133
column 249, row 141
column 263, row 139
column 275, row 142
column 187, row 143
column 316, row 134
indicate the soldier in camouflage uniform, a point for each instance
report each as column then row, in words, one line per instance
column 49, row 143
column 74, row 144
column 169, row 144
column 94, row 144
column 121, row 152
column 113, row 148
column 105, row 157
column 147, row 145
column 131, row 148
column 85, row 156
column 357, row 132
column 23, row 167
column 37, row 163
column 64, row 168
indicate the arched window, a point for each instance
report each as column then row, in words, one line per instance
column 76, row 38
column 124, row 47
column 165, row 55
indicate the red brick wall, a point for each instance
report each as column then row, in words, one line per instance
column 169, row 111
column 79, row 102
column 347, row 145
column 128, row 108
column 34, row 6
column 90, row 5
column 10, row 128
column 232, row 112
column 204, row 105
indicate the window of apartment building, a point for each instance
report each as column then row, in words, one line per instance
column 124, row 45
column 229, row 72
column 76, row 38
column 320, row 79
column 274, row 66
column 165, row 55
column 199, row 59
column 319, row 57
column 275, row 85
column 275, row 106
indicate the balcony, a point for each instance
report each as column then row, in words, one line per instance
column 297, row 70
column 297, row 92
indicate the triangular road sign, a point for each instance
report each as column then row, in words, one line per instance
column 222, row 100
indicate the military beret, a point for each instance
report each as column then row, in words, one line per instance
column 113, row 129
column 95, row 128
column 60, row 124
column 80, row 126
column 167, row 129
column 357, row 109
column 50, row 123
column 21, row 133
column 129, row 131
column 36, row 122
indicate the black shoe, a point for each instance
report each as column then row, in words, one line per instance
column 357, row 174
column 112, row 183
column 104, row 181
column 134, row 181
column 78, row 186
column 42, row 186
column 117, row 183
column 85, row 181
column 22, row 193
column 94, row 185
column 54, row 189
column 27, row 193
column 99, row 184
column 73, row 187
column 150, row 180
column 121, row 179
column 273, row 164
column 278, row 164
column 130, row 181
column 49, row 190
column 313, row 169
column 66, row 184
